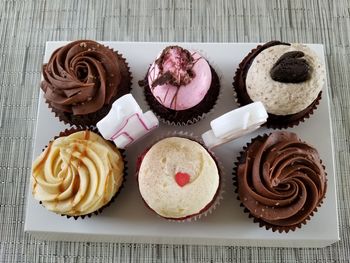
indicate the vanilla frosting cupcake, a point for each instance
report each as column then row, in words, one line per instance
column 178, row 178
column 77, row 174
column 181, row 86
column 286, row 78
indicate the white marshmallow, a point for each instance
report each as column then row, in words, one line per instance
column 234, row 124
column 126, row 123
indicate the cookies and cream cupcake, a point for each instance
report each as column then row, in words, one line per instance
column 181, row 86
column 287, row 78
column 81, row 81
column 178, row 178
column 77, row 174
column 280, row 181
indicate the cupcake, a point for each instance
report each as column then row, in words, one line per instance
column 286, row 78
column 77, row 174
column 82, row 80
column 178, row 179
column 181, row 86
column 280, row 181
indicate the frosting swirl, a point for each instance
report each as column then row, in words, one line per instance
column 81, row 77
column 77, row 174
column 281, row 180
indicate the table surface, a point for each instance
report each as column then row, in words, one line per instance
column 25, row 26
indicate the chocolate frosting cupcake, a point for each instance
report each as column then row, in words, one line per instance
column 280, row 181
column 81, row 81
column 290, row 90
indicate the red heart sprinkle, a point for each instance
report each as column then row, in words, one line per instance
column 182, row 178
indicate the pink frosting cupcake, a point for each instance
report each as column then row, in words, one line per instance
column 181, row 86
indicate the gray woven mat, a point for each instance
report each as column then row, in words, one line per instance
column 25, row 26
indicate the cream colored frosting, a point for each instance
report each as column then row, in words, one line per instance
column 284, row 98
column 77, row 174
column 157, row 183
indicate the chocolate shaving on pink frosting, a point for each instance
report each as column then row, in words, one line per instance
column 81, row 77
column 281, row 180
column 176, row 67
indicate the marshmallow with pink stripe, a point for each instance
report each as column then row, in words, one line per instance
column 126, row 122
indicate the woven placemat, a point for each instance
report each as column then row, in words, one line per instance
column 26, row 25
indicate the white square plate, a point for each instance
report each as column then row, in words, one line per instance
column 128, row 220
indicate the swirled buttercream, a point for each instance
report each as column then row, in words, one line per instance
column 281, row 180
column 81, row 77
column 77, row 174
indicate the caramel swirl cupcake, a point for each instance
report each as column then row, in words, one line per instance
column 287, row 78
column 77, row 174
column 82, row 80
column 280, row 181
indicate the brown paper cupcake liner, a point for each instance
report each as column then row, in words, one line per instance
column 262, row 223
column 189, row 116
column 242, row 98
column 219, row 193
column 90, row 120
column 70, row 131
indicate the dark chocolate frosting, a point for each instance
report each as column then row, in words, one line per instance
column 81, row 77
column 281, row 180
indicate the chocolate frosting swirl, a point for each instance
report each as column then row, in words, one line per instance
column 81, row 77
column 281, row 180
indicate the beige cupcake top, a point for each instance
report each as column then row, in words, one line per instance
column 281, row 98
column 178, row 178
column 77, row 174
